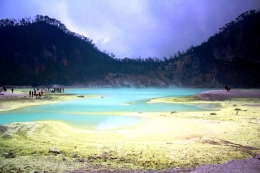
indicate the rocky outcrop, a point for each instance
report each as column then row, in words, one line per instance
column 125, row 80
column 191, row 70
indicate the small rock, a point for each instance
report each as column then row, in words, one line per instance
column 64, row 159
column 74, row 155
column 122, row 159
column 237, row 109
column 10, row 155
column 90, row 160
column 81, row 159
column 6, row 136
column 54, row 150
column 2, row 128
column 81, row 96
column 257, row 157
column 213, row 113
column 172, row 112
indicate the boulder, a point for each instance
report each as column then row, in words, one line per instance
column 7, row 136
column 81, row 159
column 257, row 157
column 3, row 128
column 54, row 150
column 9, row 155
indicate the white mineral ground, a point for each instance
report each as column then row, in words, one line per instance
column 225, row 140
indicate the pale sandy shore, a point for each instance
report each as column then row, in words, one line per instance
column 20, row 98
column 165, row 142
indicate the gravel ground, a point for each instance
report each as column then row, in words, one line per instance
column 251, row 165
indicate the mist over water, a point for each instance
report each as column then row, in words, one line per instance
column 100, row 113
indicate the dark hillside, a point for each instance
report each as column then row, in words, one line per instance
column 240, row 39
column 42, row 52
column 231, row 56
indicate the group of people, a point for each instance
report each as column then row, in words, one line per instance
column 5, row 89
column 35, row 93
column 59, row 90
column 38, row 93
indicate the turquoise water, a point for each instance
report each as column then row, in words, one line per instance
column 97, row 113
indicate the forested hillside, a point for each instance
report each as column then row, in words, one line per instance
column 42, row 51
column 231, row 56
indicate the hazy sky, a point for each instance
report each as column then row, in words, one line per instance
column 133, row 28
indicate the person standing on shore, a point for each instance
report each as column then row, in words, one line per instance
column 4, row 88
column 12, row 90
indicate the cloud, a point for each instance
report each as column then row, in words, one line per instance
column 133, row 28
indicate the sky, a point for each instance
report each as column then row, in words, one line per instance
column 136, row 28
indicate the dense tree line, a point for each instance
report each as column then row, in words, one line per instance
column 240, row 18
column 39, row 18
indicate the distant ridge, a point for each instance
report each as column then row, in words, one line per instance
column 42, row 51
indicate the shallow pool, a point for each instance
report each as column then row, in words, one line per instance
column 100, row 113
